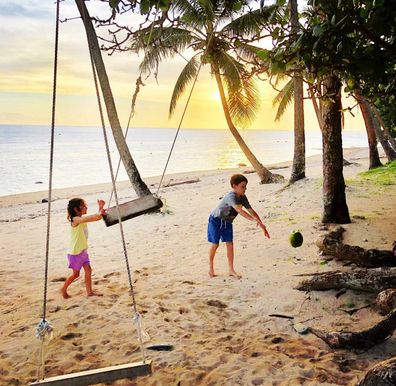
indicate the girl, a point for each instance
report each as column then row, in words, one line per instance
column 78, row 255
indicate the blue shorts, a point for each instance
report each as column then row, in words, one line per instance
column 219, row 230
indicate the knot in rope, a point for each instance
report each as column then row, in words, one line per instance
column 43, row 329
column 143, row 335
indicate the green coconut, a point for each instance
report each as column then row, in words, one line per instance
column 296, row 239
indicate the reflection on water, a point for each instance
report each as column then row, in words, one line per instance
column 230, row 154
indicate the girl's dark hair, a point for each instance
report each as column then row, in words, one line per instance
column 73, row 205
column 236, row 179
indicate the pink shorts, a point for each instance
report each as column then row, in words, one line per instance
column 77, row 261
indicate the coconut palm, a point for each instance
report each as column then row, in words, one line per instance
column 138, row 184
column 216, row 32
column 298, row 167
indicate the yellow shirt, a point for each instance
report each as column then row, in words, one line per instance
column 78, row 239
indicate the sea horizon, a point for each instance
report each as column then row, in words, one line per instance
column 80, row 157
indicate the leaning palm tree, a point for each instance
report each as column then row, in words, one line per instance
column 216, row 31
column 138, row 184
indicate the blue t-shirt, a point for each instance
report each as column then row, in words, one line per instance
column 225, row 210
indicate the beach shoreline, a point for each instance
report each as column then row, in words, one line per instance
column 152, row 182
column 219, row 327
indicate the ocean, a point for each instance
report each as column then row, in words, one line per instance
column 80, row 156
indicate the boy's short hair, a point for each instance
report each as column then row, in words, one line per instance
column 236, row 179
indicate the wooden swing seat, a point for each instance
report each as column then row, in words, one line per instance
column 134, row 208
column 104, row 375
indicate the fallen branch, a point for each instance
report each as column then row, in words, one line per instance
column 382, row 374
column 367, row 280
column 359, row 340
column 331, row 244
column 169, row 184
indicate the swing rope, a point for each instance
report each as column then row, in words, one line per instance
column 136, row 317
column 185, row 109
column 44, row 328
column 178, row 128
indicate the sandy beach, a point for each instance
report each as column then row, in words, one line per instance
column 219, row 327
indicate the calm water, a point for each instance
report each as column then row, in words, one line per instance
column 80, row 157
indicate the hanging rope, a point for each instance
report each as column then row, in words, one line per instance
column 178, row 129
column 185, row 109
column 44, row 328
column 136, row 317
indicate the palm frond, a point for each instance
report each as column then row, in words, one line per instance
column 194, row 13
column 241, row 89
column 280, row 78
column 244, row 103
column 284, row 98
column 247, row 52
column 230, row 70
column 249, row 24
column 187, row 75
column 161, row 44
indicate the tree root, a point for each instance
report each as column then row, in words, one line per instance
column 367, row 280
column 362, row 340
column 331, row 244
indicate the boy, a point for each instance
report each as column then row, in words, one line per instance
column 221, row 218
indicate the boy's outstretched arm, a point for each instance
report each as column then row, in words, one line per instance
column 252, row 216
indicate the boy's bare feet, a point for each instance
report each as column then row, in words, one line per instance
column 64, row 294
column 237, row 275
column 212, row 274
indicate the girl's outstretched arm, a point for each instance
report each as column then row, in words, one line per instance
column 87, row 218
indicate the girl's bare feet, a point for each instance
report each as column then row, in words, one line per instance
column 94, row 294
column 64, row 294
column 237, row 275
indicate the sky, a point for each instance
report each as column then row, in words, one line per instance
column 26, row 74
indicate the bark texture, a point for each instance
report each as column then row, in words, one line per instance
column 298, row 166
column 335, row 209
column 382, row 374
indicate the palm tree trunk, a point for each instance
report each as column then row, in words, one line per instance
column 389, row 152
column 335, row 209
column 316, row 107
column 264, row 174
column 138, row 184
column 385, row 128
column 298, row 167
column 370, row 128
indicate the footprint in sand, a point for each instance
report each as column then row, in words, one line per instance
column 71, row 335
column 111, row 274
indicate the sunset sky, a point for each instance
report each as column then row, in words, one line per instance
column 27, row 30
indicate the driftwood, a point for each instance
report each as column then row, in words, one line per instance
column 359, row 340
column 175, row 183
column 331, row 244
column 382, row 374
column 368, row 280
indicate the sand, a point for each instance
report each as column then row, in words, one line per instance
column 220, row 327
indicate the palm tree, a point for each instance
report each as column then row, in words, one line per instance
column 374, row 159
column 208, row 27
column 335, row 209
column 298, row 167
column 138, row 184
